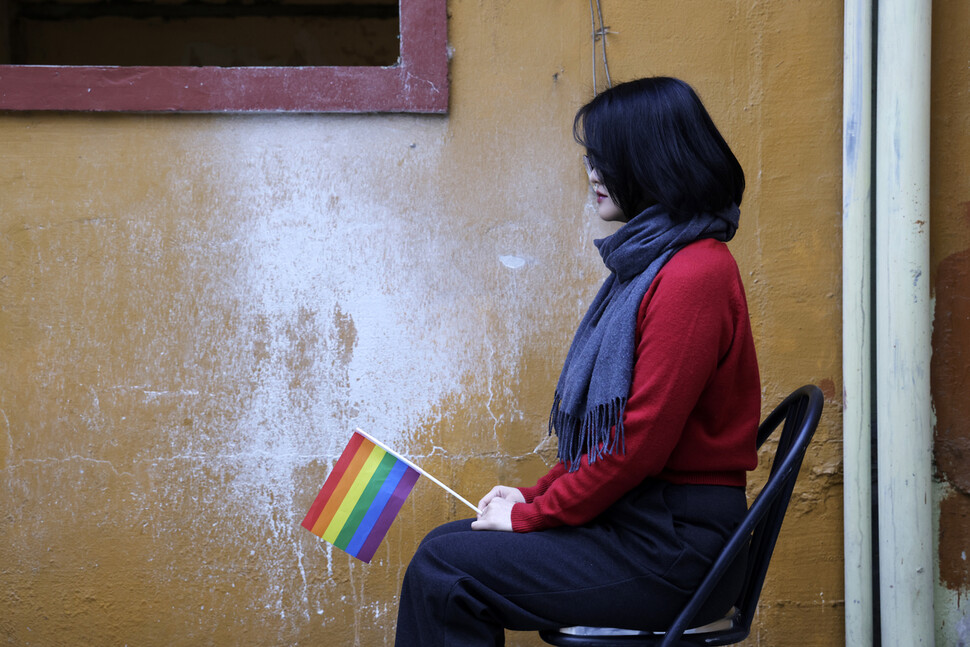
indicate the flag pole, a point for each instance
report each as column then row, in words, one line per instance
column 416, row 468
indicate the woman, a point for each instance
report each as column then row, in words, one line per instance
column 656, row 409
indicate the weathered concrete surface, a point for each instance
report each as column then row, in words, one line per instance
column 950, row 254
column 195, row 311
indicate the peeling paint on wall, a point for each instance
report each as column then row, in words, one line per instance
column 205, row 356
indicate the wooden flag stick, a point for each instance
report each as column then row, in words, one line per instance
column 416, row 468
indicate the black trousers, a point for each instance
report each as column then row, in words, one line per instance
column 633, row 567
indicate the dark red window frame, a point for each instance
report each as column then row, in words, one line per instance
column 418, row 83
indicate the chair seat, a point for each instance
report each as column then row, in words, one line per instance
column 718, row 625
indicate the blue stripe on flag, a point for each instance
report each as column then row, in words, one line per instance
column 375, row 509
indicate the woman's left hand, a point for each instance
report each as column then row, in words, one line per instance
column 497, row 515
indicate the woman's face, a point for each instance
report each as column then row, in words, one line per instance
column 606, row 209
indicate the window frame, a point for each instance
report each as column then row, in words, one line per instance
column 417, row 83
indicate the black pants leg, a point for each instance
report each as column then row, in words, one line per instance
column 631, row 568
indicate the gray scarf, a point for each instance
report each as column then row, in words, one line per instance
column 595, row 381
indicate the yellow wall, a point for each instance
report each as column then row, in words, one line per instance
column 195, row 311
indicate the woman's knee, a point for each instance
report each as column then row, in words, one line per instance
column 429, row 570
column 461, row 525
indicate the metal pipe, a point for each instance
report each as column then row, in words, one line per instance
column 903, row 323
column 857, row 320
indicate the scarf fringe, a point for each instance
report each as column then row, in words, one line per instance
column 592, row 435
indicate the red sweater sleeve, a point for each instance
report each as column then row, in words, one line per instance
column 543, row 484
column 694, row 402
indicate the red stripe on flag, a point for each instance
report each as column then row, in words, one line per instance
column 344, row 483
column 343, row 488
column 331, row 483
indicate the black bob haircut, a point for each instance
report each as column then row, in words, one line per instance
column 652, row 141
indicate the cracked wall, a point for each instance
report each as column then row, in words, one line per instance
column 196, row 310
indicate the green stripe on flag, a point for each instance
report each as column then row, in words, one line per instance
column 350, row 500
column 365, row 501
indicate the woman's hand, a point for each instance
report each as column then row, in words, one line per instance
column 496, row 507
column 501, row 492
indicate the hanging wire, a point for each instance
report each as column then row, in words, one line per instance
column 603, row 31
column 599, row 35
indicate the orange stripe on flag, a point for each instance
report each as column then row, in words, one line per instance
column 353, row 469
column 328, row 487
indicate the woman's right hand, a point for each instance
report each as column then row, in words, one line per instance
column 501, row 492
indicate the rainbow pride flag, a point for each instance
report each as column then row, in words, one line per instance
column 361, row 497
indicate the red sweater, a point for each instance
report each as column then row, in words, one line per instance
column 695, row 400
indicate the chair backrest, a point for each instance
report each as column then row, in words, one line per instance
column 800, row 413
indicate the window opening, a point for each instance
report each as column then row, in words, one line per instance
column 224, row 55
column 223, row 33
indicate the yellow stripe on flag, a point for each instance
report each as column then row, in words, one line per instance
column 353, row 495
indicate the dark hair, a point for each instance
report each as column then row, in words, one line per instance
column 652, row 141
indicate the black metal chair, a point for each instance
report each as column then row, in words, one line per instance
column 800, row 412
